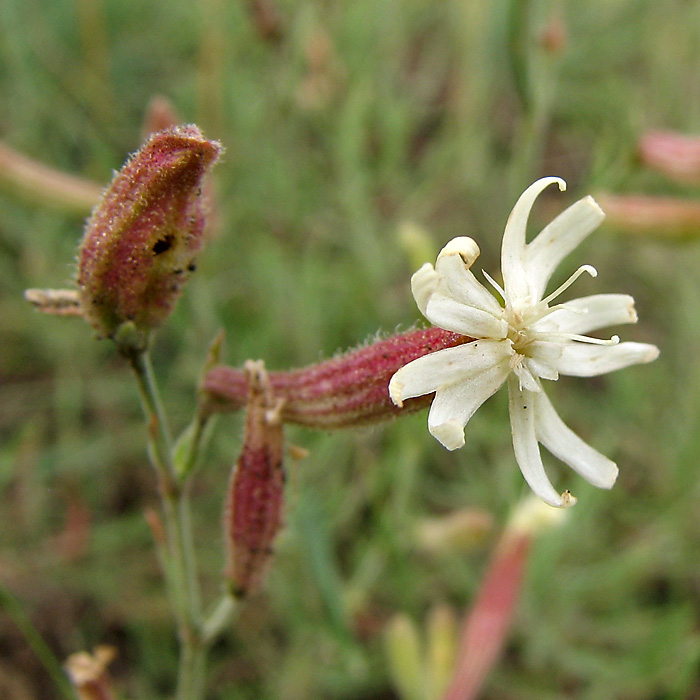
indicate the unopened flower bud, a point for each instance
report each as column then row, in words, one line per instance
column 142, row 238
column 670, row 217
column 253, row 514
column 675, row 155
column 487, row 624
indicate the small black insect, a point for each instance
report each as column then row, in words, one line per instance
column 163, row 244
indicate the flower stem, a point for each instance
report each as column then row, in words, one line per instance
column 181, row 568
column 219, row 618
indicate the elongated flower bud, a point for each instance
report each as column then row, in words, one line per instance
column 254, row 508
column 670, row 217
column 142, row 238
column 487, row 624
column 343, row 392
column 675, row 155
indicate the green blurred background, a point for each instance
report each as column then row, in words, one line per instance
column 345, row 122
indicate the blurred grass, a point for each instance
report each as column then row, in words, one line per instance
column 360, row 116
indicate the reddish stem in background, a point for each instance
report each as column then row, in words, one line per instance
column 486, row 626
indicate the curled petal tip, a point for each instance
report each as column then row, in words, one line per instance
column 396, row 391
column 465, row 247
column 543, row 182
column 450, row 434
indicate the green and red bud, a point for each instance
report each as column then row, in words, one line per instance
column 346, row 391
column 141, row 241
column 253, row 514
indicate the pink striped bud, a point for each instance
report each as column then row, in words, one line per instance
column 675, row 155
column 641, row 214
column 346, row 391
column 141, row 241
column 254, row 508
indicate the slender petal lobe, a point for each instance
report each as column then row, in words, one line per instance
column 563, row 443
column 450, row 366
column 589, row 314
column 513, row 263
column 585, row 360
column 558, row 239
column 527, row 452
column 442, row 311
column 453, row 266
column 455, row 404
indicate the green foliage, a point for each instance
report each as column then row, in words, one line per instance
column 362, row 116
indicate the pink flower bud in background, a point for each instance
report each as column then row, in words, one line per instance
column 253, row 513
column 141, row 241
column 553, row 38
column 675, row 155
column 346, row 391
column 486, row 626
column 160, row 115
column 663, row 216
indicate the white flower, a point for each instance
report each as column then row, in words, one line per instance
column 522, row 342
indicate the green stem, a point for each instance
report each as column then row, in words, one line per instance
column 219, row 618
column 181, row 570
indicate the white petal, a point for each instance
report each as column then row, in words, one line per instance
column 589, row 314
column 449, row 434
column 543, row 352
column 558, row 239
column 513, row 252
column 444, row 312
column 563, row 443
column 527, row 451
column 423, row 283
column 453, row 265
column 525, row 378
column 455, row 404
column 444, row 367
column 541, row 369
column 586, row 360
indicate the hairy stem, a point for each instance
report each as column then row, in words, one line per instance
column 181, row 569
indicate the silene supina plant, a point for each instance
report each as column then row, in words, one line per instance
column 477, row 344
column 139, row 248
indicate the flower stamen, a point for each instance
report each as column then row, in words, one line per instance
column 584, row 268
column 613, row 340
column 495, row 285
